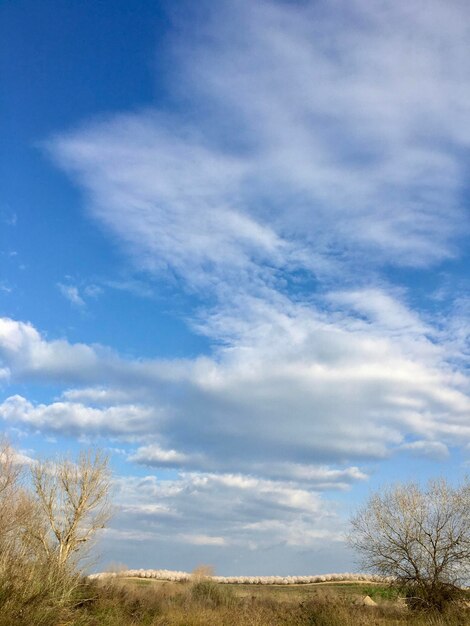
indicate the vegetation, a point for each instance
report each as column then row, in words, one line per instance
column 48, row 517
column 145, row 602
column 420, row 537
column 71, row 504
column 205, row 603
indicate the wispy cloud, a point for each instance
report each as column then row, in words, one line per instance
column 10, row 218
column 346, row 141
column 71, row 293
column 431, row 449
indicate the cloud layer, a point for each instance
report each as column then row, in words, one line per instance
column 291, row 387
column 227, row 518
column 313, row 148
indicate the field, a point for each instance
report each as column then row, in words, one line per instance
column 135, row 602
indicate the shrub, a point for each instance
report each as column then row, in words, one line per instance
column 212, row 594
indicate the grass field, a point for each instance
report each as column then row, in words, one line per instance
column 147, row 602
column 204, row 602
column 344, row 590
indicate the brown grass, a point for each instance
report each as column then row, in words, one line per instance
column 206, row 603
column 41, row 598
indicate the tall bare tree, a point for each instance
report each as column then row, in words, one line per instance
column 13, row 497
column 72, row 504
column 9, row 473
column 418, row 536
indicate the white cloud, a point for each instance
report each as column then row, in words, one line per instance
column 291, row 390
column 203, row 540
column 18, row 457
column 431, row 449
column 131, row 285
column 157, row 456
column 5, row 288
column 333, row 146
column 318, row 476
column 182, row 217
column 199, row 505
column 96, row 395
column 345, row 143
column 71, row 293
column 72, row 418
column 381, row 310
column 29, row 355
column 342, row 157
column 234, row 522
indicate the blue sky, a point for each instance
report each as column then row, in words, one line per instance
column 234, row 253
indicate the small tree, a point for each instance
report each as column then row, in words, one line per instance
column 72, row 504
column 418, row 536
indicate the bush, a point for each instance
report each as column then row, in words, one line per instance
column 212, row 594
column 34, row 593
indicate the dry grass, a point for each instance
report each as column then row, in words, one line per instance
column 34, row 592
column 205, row 603
column 40, row 598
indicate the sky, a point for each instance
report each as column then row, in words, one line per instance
column 234, row 255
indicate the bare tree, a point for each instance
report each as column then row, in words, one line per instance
column 9, row 474
column 418, row 536
column 13, row 497
column 72, row 504
column 9, row 470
